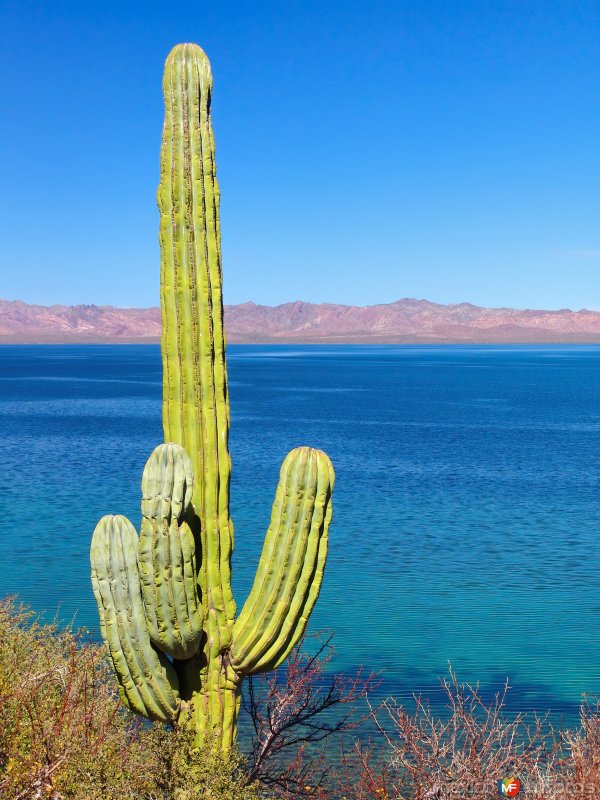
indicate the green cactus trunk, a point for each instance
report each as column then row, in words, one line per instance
column 169, row 625
column 195, row 397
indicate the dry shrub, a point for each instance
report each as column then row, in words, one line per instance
column 59, row 720
column 576, row 776
column 463, row 755
column 64, row 736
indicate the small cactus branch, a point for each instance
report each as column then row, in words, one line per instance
column 148, row 683
column 195, row 397
column 167, row 557
column 290, row 570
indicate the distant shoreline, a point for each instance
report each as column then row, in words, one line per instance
column 78, row 340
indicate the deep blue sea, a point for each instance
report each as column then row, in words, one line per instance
column 466, row 508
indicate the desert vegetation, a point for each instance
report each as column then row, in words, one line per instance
column 65, row 735
column 64, row 732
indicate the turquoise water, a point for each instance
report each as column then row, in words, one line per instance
column 466, row 509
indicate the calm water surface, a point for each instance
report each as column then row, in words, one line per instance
column 466, row 509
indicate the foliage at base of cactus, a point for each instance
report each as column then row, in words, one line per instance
column 64, row 736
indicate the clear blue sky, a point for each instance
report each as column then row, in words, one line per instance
column 367, row 151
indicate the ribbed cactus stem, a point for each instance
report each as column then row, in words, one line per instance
column 195, row 397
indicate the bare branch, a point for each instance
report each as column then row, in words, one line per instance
column 294, row 710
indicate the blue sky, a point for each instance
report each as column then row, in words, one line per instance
column 367, row 151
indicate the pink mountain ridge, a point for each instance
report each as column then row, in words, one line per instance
column 404, row 321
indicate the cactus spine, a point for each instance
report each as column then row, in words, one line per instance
column 178, row 652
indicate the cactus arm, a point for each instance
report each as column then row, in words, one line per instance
column 290, row 569
column 297, row 618
column 314, row 587
column 167, row 561
column 148, row 683
column 195, row 397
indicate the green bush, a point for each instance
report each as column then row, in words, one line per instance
column 64, row 736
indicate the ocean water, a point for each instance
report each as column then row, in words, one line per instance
column 466, row 523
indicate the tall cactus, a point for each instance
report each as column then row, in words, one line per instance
column 167, row 612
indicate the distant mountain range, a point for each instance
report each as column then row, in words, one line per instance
column 405, row 321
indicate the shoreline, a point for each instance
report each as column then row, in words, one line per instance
column 328, row 340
